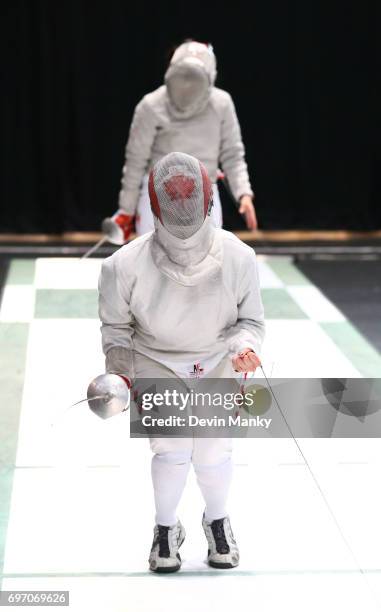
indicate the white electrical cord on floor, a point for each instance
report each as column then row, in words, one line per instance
column 328, row 506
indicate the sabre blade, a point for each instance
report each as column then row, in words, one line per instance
column 89, row 399
column 85, row 399
column 95, row 247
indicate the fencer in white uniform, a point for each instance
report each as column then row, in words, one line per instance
column 183, row 298
column 188, row 113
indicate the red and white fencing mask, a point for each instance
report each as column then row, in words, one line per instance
column 180, row 192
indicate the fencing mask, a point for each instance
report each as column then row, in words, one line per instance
column 180, row 192
column 190, row 77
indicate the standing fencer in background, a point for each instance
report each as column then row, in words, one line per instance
column 181, row 299
column 188, row 113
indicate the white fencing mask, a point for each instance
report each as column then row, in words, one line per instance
column 180, row 192
column 190, row 77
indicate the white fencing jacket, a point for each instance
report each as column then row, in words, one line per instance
column 213, row 136
column 180, row 302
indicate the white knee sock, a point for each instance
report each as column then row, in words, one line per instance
column 214, row 482
column 169, row 474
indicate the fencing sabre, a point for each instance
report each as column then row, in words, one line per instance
column 323, row 496
column 95, row 247
column 107, row 396
column 116, row 229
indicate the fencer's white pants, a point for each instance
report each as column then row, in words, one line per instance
column 144, row 218
column 211, row 458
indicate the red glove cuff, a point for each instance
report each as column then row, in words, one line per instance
column 126, row 380
column 126, row 223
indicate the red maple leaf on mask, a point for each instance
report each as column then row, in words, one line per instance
column 179, row 187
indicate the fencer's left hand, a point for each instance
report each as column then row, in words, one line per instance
column 246, row 361
column 247, row 209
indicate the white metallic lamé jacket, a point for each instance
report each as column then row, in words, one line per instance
column 180, row 302
column 212, row 135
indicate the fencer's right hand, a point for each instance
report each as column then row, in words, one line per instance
column 246, row 361
column 118, row 228
column 247, row 210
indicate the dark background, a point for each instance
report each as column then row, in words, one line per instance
column 303, row 75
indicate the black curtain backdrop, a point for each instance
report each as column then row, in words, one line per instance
column 303, row 75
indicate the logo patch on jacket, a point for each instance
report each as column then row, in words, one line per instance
column 197, row 370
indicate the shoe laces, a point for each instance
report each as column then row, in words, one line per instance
column 218, row 531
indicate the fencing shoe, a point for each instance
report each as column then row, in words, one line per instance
column 223, row 551
column 164, row 557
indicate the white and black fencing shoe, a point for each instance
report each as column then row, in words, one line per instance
column 164, row 557
column 223, row 551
